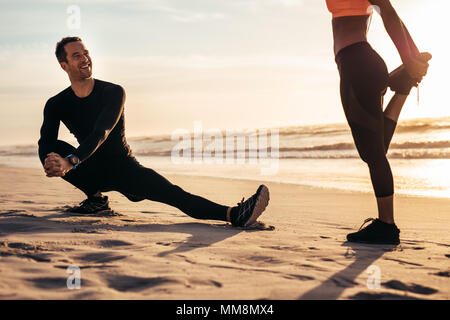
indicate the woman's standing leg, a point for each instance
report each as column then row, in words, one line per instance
column 363, row 82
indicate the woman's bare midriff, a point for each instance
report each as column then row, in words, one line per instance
column 349, row 30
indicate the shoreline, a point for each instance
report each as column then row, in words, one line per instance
column 256, row 180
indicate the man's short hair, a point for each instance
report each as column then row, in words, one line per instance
column 60, row 52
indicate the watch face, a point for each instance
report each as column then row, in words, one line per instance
column 73, row 160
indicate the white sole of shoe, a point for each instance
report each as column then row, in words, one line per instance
column 261, row 203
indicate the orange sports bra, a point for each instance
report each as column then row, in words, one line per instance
column 343, row 8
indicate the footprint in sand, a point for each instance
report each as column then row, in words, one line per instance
column 18, row 249
column 84, row 230
column 35, row 257
column 113, row 243
column 414, row 288
column 11, row 212
column 380, row 296
column 49, row 283
column 53, row 282
column 16, row 221
column 327, row 260
column 298, row 277
column 38, row 257
column 265, row 259
column 285, row 248
column 193, row 282
column 165, row 244
column 100, row 257
column 20, row 245
column 442, row 274
column 311, row 267
column 125, row 283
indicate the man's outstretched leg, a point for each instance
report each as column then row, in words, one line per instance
column 141, row 182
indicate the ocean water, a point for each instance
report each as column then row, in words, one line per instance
column 322, row 156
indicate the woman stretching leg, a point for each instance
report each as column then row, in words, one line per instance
column 364, row 80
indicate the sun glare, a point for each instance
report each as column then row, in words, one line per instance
column 426, row 21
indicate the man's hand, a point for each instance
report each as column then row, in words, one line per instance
column 56, row 166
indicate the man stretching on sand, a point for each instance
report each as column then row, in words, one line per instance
column 93, row 111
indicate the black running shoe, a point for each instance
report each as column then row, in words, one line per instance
column 378, row 232
column 401, row 82
column 91, row 205
column 247, row 212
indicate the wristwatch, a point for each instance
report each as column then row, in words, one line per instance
column 74, row 160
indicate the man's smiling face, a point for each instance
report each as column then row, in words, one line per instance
column 79, row 63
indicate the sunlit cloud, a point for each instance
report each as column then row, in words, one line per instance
column 216, row 62
column 287, row 3
column 188, row 16
column 255, row 5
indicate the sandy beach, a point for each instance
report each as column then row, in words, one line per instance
column 148, row 250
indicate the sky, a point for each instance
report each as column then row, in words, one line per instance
column 231, row 64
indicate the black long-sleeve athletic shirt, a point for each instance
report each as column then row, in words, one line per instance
column 97, row 121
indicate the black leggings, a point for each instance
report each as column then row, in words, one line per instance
column 364, row 79
column 125, row 175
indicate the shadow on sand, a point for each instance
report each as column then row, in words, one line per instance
column 364, row 256
column 202, row 234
